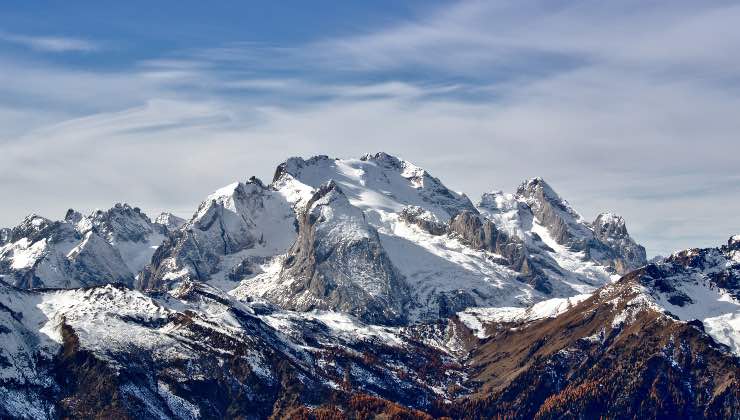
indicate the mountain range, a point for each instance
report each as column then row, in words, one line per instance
column 362, row 288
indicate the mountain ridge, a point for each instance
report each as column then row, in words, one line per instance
column 354, row 288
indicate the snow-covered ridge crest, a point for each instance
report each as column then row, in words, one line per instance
column 449, row 254
column 376, row 183
column 242, row 236
column 103, row 247
column 604, row 241
column 694, row 285
column 224, row 240
column 477, row 318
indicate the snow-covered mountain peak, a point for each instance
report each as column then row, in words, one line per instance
column 378, row 183
column 695, row 284
column 537, row 193
column 532, row 185
column 734, row 243
column 105, row 246
column 73, row 216
column 35, row 220
column 565, row 225
column 169, row 221
column 227, row 238
column 294, row 166
column 121, row 223
column 32, row 226
column 337, row 262
column 237, row 197
column 610, row 225
column 384, row 159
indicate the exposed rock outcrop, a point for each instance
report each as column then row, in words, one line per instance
column 234, row 223
column 338, row 263
column 482, row 233
column 169, row 221
column 623, row 253
column 424, row 219
column 606, row 241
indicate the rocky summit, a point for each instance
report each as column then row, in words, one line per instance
column 362, row 288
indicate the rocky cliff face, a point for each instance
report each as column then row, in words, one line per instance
column 606, row 241
column 231, row 228
column 482, row 233
column 4, row 235
column 611, row 231
column 337, row 262
column 564, row 224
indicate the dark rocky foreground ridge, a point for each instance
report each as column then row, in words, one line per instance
column 362, row 288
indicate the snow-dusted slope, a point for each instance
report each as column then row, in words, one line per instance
column 621, row 353
column 104, row 247
column 193, row 353
column 477, row 318
column 127, row 229
column 696, row 284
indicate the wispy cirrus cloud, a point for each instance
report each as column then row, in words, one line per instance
column 54, row 44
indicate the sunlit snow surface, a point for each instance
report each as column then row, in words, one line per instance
column 717, row 309
column 476, row 318
column 382, row 186
column 702, row 300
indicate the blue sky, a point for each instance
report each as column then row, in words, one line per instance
column 629, row 106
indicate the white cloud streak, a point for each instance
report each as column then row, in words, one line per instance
column 54, row 44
